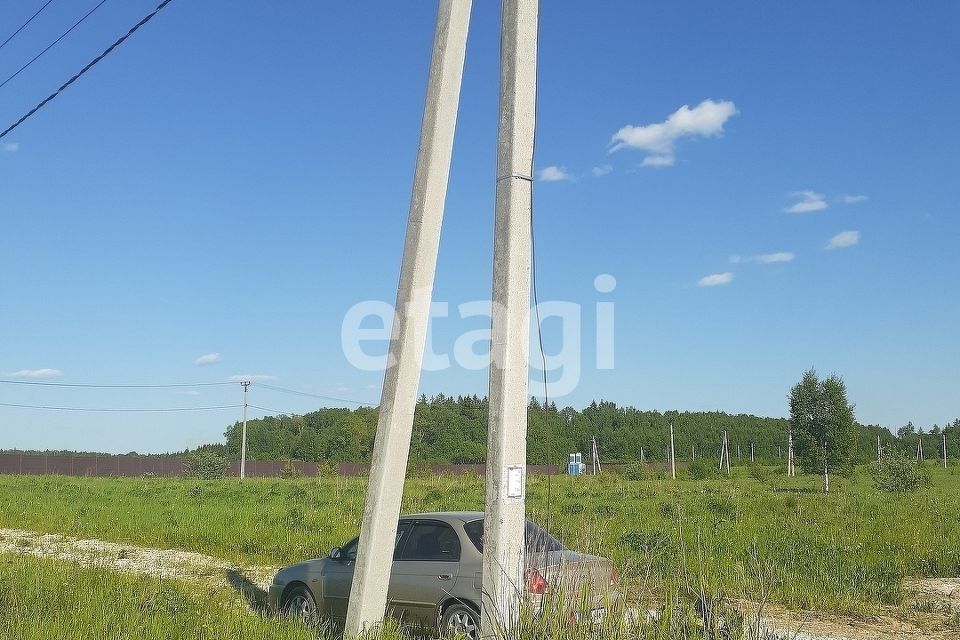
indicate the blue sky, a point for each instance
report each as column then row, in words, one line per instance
column 235, row 177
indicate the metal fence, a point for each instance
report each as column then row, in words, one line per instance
column 136, row 466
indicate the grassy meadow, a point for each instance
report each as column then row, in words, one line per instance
column 757, row 535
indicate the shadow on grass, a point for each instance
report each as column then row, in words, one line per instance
column 255, row 597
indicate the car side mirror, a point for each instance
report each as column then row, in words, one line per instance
column 335, row 553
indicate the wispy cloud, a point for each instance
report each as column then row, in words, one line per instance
column 36, row 373
column 207, row 358
column 715, row 279
column 251, row 377
column 11, row 147
column 765, row 258
column 602, row 170
column 554, row 173
column 844, row 239
column 849, row 199
column 659, row 139
column 191, row 392
column 809, row 201
column 342, row 388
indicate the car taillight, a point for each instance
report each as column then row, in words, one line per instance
column 613, row 576
column 536, row 583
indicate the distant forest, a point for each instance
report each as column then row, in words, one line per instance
column 451, row 429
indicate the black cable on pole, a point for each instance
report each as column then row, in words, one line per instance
column 24, row 25
column 115, row 386
column 86, row 68
column 52, row 44
column 118, row 409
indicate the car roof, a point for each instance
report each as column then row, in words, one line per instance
column 446, row 516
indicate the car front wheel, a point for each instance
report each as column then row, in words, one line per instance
column 300, row 605
column 460, row 621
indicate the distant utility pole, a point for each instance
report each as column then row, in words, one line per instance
column 751, row 453
column 595, row 456
column 673, row 459
column 790, row 470
column 368, row 596
column 243, row 437
column 725, row 453
column 879, row 449
column 504, row 510
column 693, row 453
column 944, row 436
column 920, row 449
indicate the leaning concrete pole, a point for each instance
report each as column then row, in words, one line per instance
column 503, row 550
column 402, row 377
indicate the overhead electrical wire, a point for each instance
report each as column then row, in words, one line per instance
column 24, row 25
column 120, row 409
column 103, row 55
column 52, row 44
column 116, row 386
column 311, row 395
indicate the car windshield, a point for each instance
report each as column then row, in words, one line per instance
column 536, row 540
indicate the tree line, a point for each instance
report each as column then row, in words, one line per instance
column 450, row 429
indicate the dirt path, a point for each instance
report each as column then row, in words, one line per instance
column 940, row 598
column 166, row 563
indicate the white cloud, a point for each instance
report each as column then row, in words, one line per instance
column 602, row 170
column 771, row 258
column 554, row 173
column 764, row 258
column 809, row 201
column 207, row 358
column 658, row 161
column 11, row 147
column 251, row 377
column 659, row 139
column 844, row 239
column 849, row 199
column 716, row 279
column 36, row 373
column 191, row 392
column 341, row 388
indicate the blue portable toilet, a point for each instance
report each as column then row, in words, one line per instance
column 575, row 466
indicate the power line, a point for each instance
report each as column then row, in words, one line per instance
column 116, row 386
column 118, row 409
column 312, row 395
column 253, row 406
column 87, row 68
column 52, row 44
column 24, row 25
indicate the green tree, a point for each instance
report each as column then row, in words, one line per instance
column 823, row 425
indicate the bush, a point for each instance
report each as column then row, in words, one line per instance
column 761, row 474
column 702, row 470
column 326, row 470
column 635, row 471
column 897, row 473
column 288, row 471
column 205, row 465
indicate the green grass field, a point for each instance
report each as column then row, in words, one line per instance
column 847, row 552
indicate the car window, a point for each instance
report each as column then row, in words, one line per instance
column 349, row 550
column 432, row 541
column 536, row 540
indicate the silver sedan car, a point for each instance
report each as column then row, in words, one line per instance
column 436, row 578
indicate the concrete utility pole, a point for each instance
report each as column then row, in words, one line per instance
column 243, row 436
column 944, row 436
column 673, row 458
column 401, row 379
column 879, row 450
column 504, row 519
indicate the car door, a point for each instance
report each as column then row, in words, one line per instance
column 424, row 572
column 337, row 574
